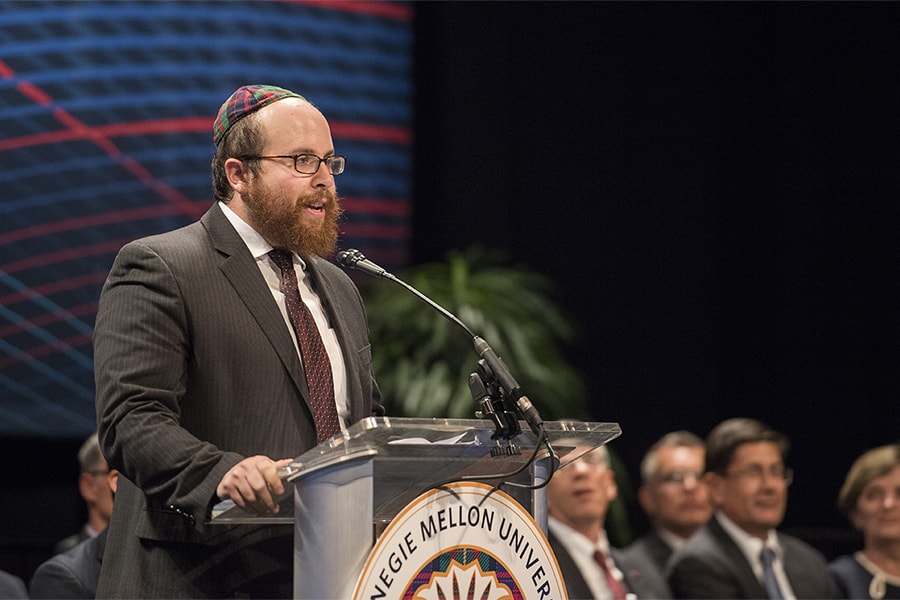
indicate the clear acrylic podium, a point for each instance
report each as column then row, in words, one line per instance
column 347, row 489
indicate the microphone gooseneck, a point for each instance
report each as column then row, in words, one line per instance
column 354, row 259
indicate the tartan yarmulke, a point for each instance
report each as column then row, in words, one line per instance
column 244, row 101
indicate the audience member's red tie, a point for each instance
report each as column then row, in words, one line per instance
column 615, row 586
column 315, row 359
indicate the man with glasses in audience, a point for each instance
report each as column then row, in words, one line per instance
column 675, row 497
column 739, row 553
column 578, row 497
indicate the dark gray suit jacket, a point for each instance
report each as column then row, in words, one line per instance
column 643, row 563
column 195, row 370
column 71, row 574
column 711, row 565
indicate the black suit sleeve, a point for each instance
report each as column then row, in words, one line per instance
column 142, row 351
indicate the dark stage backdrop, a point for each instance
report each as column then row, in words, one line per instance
column 714, row 187
column 106, row 112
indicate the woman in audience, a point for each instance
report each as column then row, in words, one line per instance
column 870, row 497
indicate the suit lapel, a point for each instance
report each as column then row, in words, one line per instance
column 242, row 272
column 742, row 569
column 576, row 586
column 798, row 573
column 98, row 548
column 658, row 549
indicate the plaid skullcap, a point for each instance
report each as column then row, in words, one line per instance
column 244, row 101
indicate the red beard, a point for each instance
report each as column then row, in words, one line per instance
column 281, row 222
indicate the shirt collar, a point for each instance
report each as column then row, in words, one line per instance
column 750, row 545
column 575, row 541
column 674, row 541
column 257, row 245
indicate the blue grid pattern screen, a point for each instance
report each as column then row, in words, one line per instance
column 106, row 112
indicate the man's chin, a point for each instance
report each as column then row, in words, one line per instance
column 324, row 246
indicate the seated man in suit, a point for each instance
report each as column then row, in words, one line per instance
column 74, row 573
column 739, row 553
column 578, row 496
column 93, row 487
column 676, row 499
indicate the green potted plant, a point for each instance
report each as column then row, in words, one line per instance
column 423, row 360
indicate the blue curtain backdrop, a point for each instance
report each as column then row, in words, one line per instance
column 106, row 112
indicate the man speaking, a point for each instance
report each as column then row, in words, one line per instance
column 223, row 350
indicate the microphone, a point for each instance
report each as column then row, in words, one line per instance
column 508, row 382
column 355, row 259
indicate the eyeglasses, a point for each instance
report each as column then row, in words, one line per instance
column 680, row 477
column 97, row 473
column 308, row 164
column 758, row 474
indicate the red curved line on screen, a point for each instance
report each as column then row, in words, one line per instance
column 101, row 136
column 28, row 354
column 99, row 133
column 40, row 321
column 381, row 9
column 368, row 205
column 64, row 255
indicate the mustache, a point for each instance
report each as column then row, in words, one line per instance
column 320, row 196
column 328, row 199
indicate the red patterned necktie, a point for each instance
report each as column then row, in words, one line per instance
column 312, row 350
column 615, row 586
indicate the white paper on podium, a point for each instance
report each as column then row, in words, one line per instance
column 418, row 440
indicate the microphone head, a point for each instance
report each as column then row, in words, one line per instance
column 349, row 258
column 354, row 259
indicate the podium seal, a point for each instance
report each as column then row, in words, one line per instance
column 464, row 540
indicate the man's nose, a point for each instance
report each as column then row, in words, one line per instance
column 322, row 177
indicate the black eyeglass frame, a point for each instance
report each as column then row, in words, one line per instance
column 329, row 161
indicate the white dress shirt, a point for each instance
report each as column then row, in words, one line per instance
column 259, row 249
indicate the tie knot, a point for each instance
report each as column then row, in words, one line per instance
column 767, row 556
column 282, row 258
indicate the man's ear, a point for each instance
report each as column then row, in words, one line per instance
column 612, row 490
column 113, row 480
column 86, row 487
column 238, row 175
column 645, row 499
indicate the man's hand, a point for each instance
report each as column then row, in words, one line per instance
column 253, row 484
